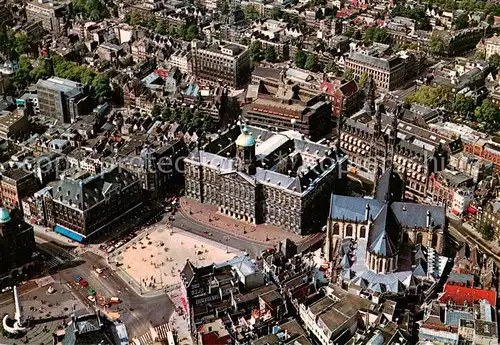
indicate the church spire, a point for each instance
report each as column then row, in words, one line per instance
column 369, row 105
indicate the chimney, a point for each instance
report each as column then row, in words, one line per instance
column 367, row 212
column 428, row 218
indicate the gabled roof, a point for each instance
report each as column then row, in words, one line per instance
column 459, row 295
column 389, row 187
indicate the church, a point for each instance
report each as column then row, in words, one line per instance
column 385, row 244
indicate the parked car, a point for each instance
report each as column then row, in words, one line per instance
column 91, row 299
column 92, row 291
column 84, row 283
column 78, row 278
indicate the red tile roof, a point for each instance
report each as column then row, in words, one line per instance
column 213, row 338
column 460, row 294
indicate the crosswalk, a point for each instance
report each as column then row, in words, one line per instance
column 156, row 334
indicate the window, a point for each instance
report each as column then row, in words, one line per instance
column 336, row 229
column 362, row 232
column 348, row 231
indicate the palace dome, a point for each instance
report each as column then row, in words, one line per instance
column 245, row 139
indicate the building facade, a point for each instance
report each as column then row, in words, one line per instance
column 15, row 185
column 17, row 243
column 51, row 15
column 80, row 209
column 258, row 176
column 61, row 99
column 228, row 64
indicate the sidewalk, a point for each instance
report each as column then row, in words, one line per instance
column 261, row 233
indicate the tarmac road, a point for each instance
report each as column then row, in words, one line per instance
column 136, row 311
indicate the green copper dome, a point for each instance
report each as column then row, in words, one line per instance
column 245, row 139
column 4, row 216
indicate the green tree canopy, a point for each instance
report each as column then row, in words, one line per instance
column 300, row 59
column 348, row 74
column 380, row 35
column 256, row 50
column 251, row 12
column 494, row 60
column 431, row 96
column 331, row 67
column 191, row 32
column 91, row 9
column 461, row 21
column 488, row 113
column 436, row 45
column 464, row 106
column 276, row 13
column 270, row 54
column 486, row 229
column 311, row 63
column 363, row 78
column 161, row 28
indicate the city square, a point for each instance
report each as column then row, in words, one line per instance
column 156, row 257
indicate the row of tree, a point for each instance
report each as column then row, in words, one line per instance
column 259, row 54
column 306, row 61
column 379, row 35
column 183, row 31
column 13, row 43
column 30, row 71
column 91, row 9
column 192, row 120
column 487, row 112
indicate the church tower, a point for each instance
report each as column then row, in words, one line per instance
column 369, row 105
column 245, row 152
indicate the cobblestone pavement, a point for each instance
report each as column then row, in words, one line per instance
column 262, row 233
column 47, row 312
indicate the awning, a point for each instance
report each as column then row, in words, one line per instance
column 68, row 233
column 471, row 210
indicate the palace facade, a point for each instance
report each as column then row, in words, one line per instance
column 259, row 176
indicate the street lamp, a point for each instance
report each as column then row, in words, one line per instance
column 225, row 238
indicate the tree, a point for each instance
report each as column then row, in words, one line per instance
column 256, row 50
column 464, row 106
column 251, row 12
column 311, row 63
column 101, row 88
column 488, row 113
column 461, row 21
column 348, row 74
column 185, row 116
column 191, row 32
column 225, row 7
column 363, row 78
column 436, row 45
column 245, row 41
column 331, row 67
column 430, row 96
column 486, row 229
column 379, row 35
column 181, row 30
column 494, row 60
column 161, row 28
column 270, row 54
column 276, row 13
column 135, row 18
column 300, row 59
column 156, row 111
column 480, row 54
column 491, row 19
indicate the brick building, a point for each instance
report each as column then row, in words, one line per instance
column 15, row 185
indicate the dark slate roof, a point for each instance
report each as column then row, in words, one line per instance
column 420, row 269
column 389, row 187
column 188, row 272
column 415, row 215
column 384, row 236
column 352, row 208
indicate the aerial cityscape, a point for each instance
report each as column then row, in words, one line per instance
column 249, row 172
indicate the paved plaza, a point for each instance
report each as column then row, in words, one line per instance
column 46, row 313
column 262, row 233
column 156, row 257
